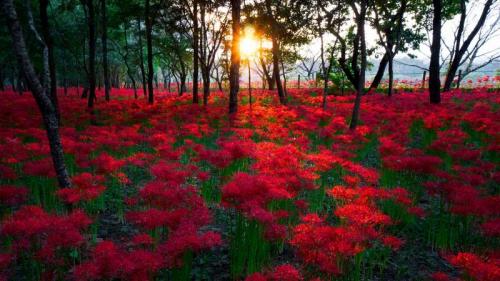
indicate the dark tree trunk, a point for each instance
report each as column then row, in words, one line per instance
column 42, row 98
column 434, row 80
column 360, row 18
column 234, row 72
column 20, row 87
column 141, row 55
column 276, row 70
column 196, row 51
column 149, row 43
column 380, row 72
column 2, row 86
column 104, row 40
column 206, row 86
column 85, row 92
column 391, row 75
column 183, row 88
column 268, row 77
column 92, row 51
column 44, row 20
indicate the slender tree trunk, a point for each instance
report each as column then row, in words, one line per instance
column 196, row 51
column 44, row 20
column 206, row 86
column 391, row 74
column 234, row 72
column 183, row 88
column 361, row 81
column 42, row 98
column 149, row 43
column 104, row 40
column 92, row 51
column 380, row 72
column 460, row 50
column 20, row 87
column 434, row 80
column 276, row 70
column 141, row 54
column 2, row 86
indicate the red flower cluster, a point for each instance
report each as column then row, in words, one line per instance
column 86, row 187
column 284, row 272
column 477, row 268
column 12, row 195
column 51, row 232
column 108, row 261
column 183, row 212
column 251, row 194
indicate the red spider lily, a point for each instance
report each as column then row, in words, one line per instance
column 7, row 172
column 31, row 223
column 440, row 276
column 169, row 172
column 392, row 242
column 285, row 272
column 106, row 164
column 491, row 228
column 476, row 267
column 110, row 262
column 322, row 245
column 40, row 168
column 86, row 187
column 12, row 195
column 416, row 163
column 360, row 214
column 252, row 194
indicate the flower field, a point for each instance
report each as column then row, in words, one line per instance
column 175, row 191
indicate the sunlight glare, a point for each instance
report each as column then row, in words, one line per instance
column 248, row 44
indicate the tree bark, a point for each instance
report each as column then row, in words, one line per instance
column 141, row 55
column 196, row 51
column 92, row 51
column 434, row 80
column 104, row 39
column 391, row 75
column 380, row 72
column 42, row 98
column 44, row 20
column 149, row 43
column 234, row 72
column 360, row 18
column 276, row 70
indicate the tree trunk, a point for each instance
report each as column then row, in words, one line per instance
column 44, row 20
column 2, row 87
column 42, row 98
column 196, row 51
column 149, row 43
column 183, row 88
column 380, row 72
column 104, row 40
column 234, row 72
column 206, row 86
column 434, row 80
column 268, row 77
column 391, row 74
column 92, row 51
column 141, row 54
column 276, row 70
column 361, row 82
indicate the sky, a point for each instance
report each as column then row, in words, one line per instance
column 448, row 30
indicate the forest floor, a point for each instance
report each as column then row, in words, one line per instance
column 175, row 191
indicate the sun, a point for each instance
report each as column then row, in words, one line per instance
column 249, row 45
